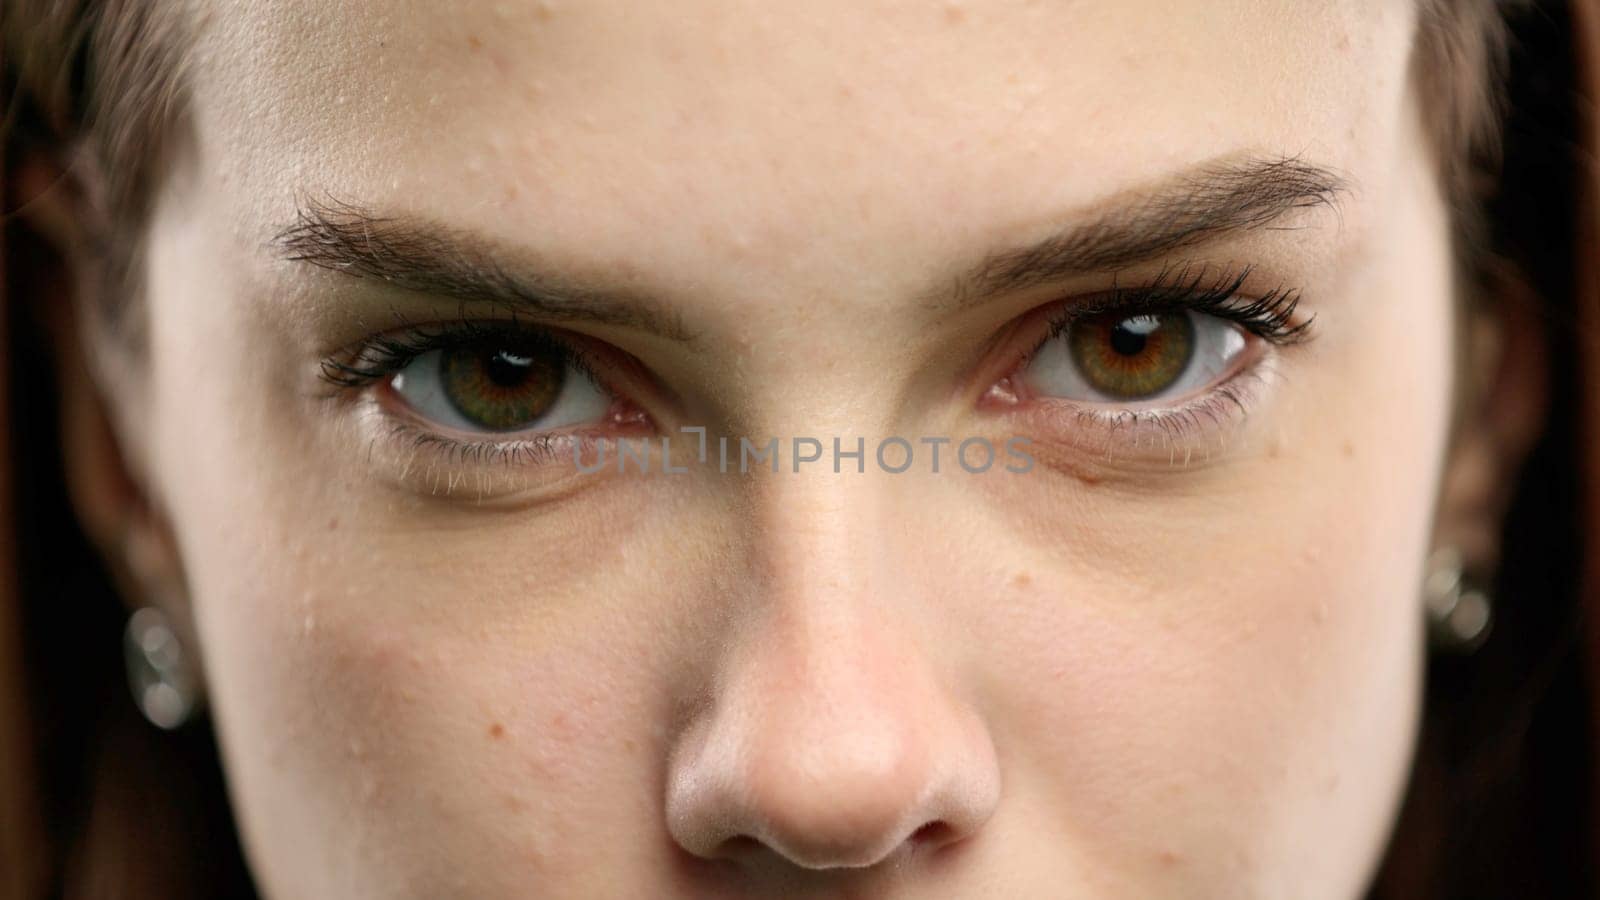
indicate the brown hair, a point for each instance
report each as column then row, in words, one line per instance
column 93, row 803
column 1502, row 797
column 106, row 79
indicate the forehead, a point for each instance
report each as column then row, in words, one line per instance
column 804, row 136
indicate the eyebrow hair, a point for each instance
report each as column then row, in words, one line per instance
column 1199, row 205
column 418, row 256
column 1203, row 204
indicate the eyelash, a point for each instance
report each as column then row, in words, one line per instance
column 1270, row 317
column 532, row 450
column 382, row 356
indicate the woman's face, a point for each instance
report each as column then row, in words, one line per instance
column 415, row 255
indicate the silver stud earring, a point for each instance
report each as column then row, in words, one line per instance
column 159, row 670
column 1460, row 612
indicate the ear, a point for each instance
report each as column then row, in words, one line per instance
column 108, row 486
column 1503, row 393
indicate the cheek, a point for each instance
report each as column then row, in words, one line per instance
column 1215, row 729
column 401, row 688
column 1244, row 717
column 1220, row 683
column 416, row 715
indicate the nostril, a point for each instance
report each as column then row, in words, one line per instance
column 738, row 846
column 932, row 836
column 850, row 774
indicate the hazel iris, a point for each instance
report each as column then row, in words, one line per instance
column 1132, row 357
column 501, row 388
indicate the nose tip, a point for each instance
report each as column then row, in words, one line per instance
column 827, row 805
column 821, row 844
column 838, row 776
column 843, row 804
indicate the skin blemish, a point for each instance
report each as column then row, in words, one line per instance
column 475, row 42
column 1021, row 580
column 497, row 731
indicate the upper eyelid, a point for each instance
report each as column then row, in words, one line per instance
column 397, row 347
column 1178, row 285
column 1268, row 316
column 1188, row 286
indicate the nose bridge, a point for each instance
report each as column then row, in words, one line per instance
column 818, row 533
column 832, row 738
column 830, row 627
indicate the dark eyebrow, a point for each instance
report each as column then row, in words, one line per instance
column 1199, row 205
column 419, row 256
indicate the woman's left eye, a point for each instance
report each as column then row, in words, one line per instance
column 1118, row 357
column 500, row 388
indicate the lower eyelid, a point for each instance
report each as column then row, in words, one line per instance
column 1254, row 352
column 378, row 436
column 1176, row 433
column 416, row 459
column 616, row 423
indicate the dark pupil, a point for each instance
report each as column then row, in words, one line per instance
column 506, row 369
column 1132, row 357
column 1128, row 339
column 501, row 388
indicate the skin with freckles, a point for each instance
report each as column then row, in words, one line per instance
column 1178, row 657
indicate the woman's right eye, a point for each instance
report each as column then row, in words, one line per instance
column 500, row 389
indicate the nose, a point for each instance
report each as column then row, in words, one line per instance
column 830, row 741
